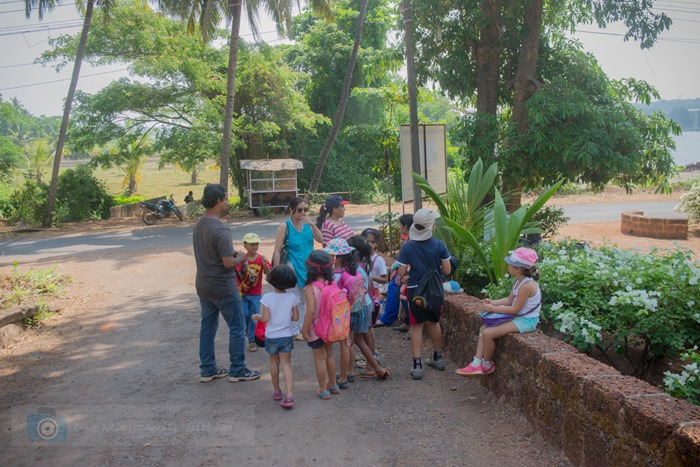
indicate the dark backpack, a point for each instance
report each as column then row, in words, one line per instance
column 430, row 293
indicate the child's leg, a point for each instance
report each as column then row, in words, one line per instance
column 275, row 372
column 369, row 338
column 330, row 365
column 416, row 333
column 489, row 336
column 286, row 362
column 360, row 340
column 248, row 312
column 344, row 362
column 350, row 368
column 253, row 308
column 435, row 333
column 321, row 371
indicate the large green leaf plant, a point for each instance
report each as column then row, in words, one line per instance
column 485, row 228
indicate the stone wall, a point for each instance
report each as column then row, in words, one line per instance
column 13, row 323
column 131, row 209
column 597, row 416
column 635, row 223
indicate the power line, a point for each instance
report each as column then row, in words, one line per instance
column 667, row 39
column 62, row 79
column 26, row 64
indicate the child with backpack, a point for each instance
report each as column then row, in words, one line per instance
column 279, row 310
column 319, row 277
column 427, row 258
column 355, row 280
column 249, row 277
column 378, row 273
column 519, row 312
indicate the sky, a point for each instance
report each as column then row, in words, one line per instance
column 672, row 65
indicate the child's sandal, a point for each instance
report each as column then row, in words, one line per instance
column 325, row 395
column 333, row 389
column 343, row 385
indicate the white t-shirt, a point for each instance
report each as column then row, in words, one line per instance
column 280, row 305
column 378, row 270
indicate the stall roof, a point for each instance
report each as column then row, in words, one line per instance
column 271, row 165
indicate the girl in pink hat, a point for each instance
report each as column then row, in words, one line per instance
column 519, row 312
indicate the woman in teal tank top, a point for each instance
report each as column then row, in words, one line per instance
column 293, row 243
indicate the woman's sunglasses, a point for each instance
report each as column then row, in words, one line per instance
column 302, row 210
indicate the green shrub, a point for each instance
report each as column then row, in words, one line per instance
column 686, row 385
column 120, row 200
column 82, row 196
column 690, row 203
column 382, row 221
column 6, row 190
column 639, row 306
column 27, row 205
column 551, row 219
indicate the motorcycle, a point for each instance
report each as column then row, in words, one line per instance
column 153, row 212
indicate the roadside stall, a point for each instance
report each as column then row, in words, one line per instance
column 272, row 183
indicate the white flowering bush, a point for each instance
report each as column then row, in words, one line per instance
column 690, row 203
column 613, row 300
column 685, row 385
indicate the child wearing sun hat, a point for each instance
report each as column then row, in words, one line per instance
column 523, row 304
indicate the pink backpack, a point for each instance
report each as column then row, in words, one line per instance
column 333, row 323
column 356, row 287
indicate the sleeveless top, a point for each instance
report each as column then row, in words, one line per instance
column 534, row 302
column 299, row 245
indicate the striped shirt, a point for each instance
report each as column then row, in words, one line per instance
column 331, row 230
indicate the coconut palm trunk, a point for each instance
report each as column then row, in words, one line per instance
column 338, row 121
column 235, row 8
column 66, row 112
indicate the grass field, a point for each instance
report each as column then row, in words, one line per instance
column 154, row 181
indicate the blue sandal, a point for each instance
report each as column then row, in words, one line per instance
column 334, row 389
column 325, row 395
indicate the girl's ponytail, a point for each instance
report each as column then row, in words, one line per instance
column 531, row 272
column 322, row 214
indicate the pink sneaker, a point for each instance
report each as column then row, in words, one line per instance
column 471, row 370
column 489, row 370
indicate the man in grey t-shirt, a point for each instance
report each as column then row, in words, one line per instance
column 216, row 287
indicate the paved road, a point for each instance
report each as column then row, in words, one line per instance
column 610, row 212
column 172, row 235
column 167, row 235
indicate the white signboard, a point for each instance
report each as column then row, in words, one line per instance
column 433, row 159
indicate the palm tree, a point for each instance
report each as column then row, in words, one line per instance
column 345, row 95
column 206, row 15
column 37, row 157
column 44, row 6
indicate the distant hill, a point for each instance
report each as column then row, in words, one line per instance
column 685, row 112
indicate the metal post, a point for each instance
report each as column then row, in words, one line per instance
column 388, row 193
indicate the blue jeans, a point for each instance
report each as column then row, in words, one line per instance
column 230, row 309
column 251, row 306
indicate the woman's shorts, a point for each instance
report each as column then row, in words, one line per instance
column 317, row 344
column 418, row 315
column 275, row 345
column 526, row 324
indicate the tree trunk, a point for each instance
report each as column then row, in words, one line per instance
column 235, row 6
column 525, row 86
column 488, row 58
column 412, row 99
column 193, row 175
column 337, row 122
column 48, row 217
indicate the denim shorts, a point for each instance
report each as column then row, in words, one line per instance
column 526, row 324
column 275, row 345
